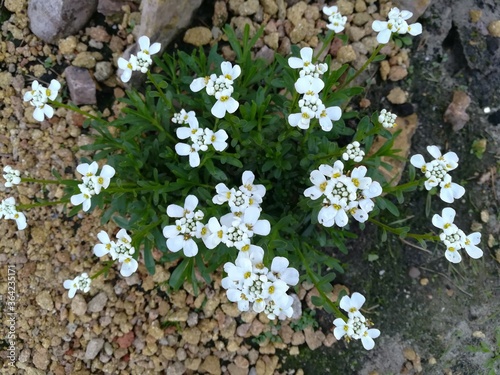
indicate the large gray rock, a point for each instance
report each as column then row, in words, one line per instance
column 81, row 87
column 51, row 20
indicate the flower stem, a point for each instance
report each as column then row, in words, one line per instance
column 48, row 182
column 77, row 110
column 416, row 236
column 102, row 270
column 326, row 43
column 363, row 68
column 41, row 204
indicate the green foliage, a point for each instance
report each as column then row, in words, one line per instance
column 307, row 319
column 492, row 364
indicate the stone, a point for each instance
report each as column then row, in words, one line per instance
column 78, row 305
column 99, row 34
column 361, row 18
column 494, row 28
column 270, row 6
column 104, row 70
column 97, row 303
column 272, row 40
column 455, row 113
column 191, row 335
column 296, row 13
column 81, row 86
column 44, row 300
column 176, row 368
column 298, row 338
column 296, row 306
column 198, row 36
column 84, row 60
column 93, row 348
column 346, row 54
column 385, row 68
column 41, row 359
column 397, row 96
column 211, row 365
column 314, row 339
column 346, row 7
column 235, row 370
column 110, row 7
column 475, row 15
column 220, row 14
column 355, row 33
column 162, row 19
column 397, row 73
column 248, row 7
column 51, row 20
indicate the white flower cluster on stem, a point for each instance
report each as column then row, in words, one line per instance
column 141, row 62
column 221, row 87
column 353, row 152
column 11, row 176
column 121, row 250
column 250, row 282
column 387, row 119
column 342, row 194
column 39, row 96
column 436, row 172
column 92, row 183
column 200, row 138
column 454, row 238
column 337, row 21
column 396, row 24
column 310, row 85
column 81, row 282
column 8, row 210
column 357, row 326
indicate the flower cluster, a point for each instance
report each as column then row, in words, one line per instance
column 353, row 152
column 200, row 138
column 141, row 62
column 342, row 194
column 337, row 21
column 357, row 326
column 396, row 24
column 221, row 87
column 436, row 172
column 92, row 183
column 249, row 281
column 11, row 176
column 81, row 282
column 310, row 85
column 38, row 97
column 8, row 210
column 454, row 238
column 387, row 119
column 121, row 250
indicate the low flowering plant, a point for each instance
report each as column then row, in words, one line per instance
column 263, row 190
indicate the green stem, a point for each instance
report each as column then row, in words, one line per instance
column 77, row 110
column 103, row 270
column 390, row 189
column 416, row 236
column 326, row 43
column 22, row 207
column 48, row 182
column 313, row 277
column 162, row 94
column 363, row 68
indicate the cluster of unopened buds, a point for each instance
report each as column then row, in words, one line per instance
column 81, row 282
column 357, row 326
column 336, row 20
column 387, row 119
column 141, row 62
column 436, row 172
column 8, row 209
column 342, row 194
column 121, row 250
column 395, row 25
column 454, row 238
column 309, row 84
column 221, row 87
column 92, row 183
column 200, row 138
column 353, row 152
column 39, row 96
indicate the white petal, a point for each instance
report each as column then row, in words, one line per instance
column 143, row 42
column 154, row 48
column 198, row 84
column 182, row 149
column 107, row 171
column 453, row 256
column 194, row 159
column 434, row 151
column 384, row 36
column 129, row 266
column 174, row 210
column 334, row 113
column 218, row 109
column 232, row 105
column 190, row 203
column 183, row 132
column 38, row 114
column 170, row 231
column 357, row 300
column 415, row 29
column 306, row 53
column 190, row 248
column 175, row 243
column 379, row 25
column 262, row 227
column 294, row 119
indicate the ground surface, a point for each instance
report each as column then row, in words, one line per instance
column 427, row 310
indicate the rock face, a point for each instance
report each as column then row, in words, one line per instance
column 51, row 20
column 81, row 86
column 161, row 19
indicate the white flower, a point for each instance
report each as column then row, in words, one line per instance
column 106, row 245
column 254, row 225
column 180, row 236
column 353, row 152
column 337, row 21
column 303, row 119
column 249, row 188
column 367, row 338
column 217, row 139
column 342, row 328
column 281, row 271
column 129, row 265
column 103, row 180
column 352, row 304
column 183, row 118
column 39, row 96
column 200, row 83
column 229, row 71
column 87, row 170
column 387, row 119
column 321, row 185
column 224, row 194
column 146, row 48
column 470, row 247
column 217, row 234
column 81, row 282
column 396, row 24
column 11, row 176
column 84, row 198
column 445, row 221
column 9, row 211
column 309, row 85
column 327, row 115
column 305, row 61
column 183, row 149
column 450, row 190
column 127, row 67
column 225, row 102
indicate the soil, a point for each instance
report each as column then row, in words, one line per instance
column 428, row 310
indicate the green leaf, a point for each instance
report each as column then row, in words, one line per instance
column 148, row 257
column 317, row 301
column 180, row 273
